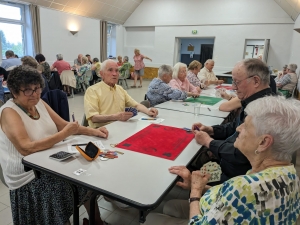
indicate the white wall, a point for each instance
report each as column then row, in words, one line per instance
column 295, row 46
column 56, row 37
column 230, row 22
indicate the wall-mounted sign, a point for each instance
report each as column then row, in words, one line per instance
column 194, row 31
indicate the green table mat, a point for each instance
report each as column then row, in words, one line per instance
column 204, row 100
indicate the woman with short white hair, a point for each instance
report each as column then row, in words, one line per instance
column 268, row 194
column 288, row 82
column 180, row 81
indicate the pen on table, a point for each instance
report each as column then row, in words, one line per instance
column 80, row 144
column 148, row 119
column 208, row 109
column 73, row 117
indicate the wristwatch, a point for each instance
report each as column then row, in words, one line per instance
column 194, row 199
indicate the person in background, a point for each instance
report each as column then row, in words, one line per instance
column 180, row 81
column 125, row 67
column 289, row 81
column 193, row 70
column 81, row 74
column 30, row 61
column 89, row 59
column 3, row 75
column 16, row 56
column 10, row 61
column 105, row 101
column 206, row 74
column 60, row 65
column 43, row 66
column 159, row 91
column 96, row 66
column 139, row 67
column 270, row 191
column 120, row 62
column 77, row 61
column 29, row 125
column 281, row 73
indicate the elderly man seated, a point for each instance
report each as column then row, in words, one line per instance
column 270, row 191
column 159, row 91
column 206, row 74
column 105, row 102
column 125, row 66
column 77, row 61
column 288, row 82
column 10, row 61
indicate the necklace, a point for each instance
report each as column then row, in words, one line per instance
column 35, row 116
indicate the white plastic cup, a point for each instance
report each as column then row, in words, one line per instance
column 197, row 109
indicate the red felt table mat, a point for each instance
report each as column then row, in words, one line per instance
column 226, row 87
column 158, row 140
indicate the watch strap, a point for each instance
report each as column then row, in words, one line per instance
column 194, row 199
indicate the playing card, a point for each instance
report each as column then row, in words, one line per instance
column 79, row 172
column 213, row 169
column 131, row 109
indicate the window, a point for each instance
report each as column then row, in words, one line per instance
column 12, row 23
column 111, row 40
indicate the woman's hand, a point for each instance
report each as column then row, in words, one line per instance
column 198, row 182
column 184, row 173
column 101, row 132
column 153, row 112
column 71, row 128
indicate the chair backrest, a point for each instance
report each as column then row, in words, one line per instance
column 84, row 121
column 10, row 68
column 67, row 77
column 146, row 103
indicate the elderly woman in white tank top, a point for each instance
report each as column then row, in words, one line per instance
column 29, row 125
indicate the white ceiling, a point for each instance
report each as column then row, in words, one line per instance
column 291, row 7
column 116, row 11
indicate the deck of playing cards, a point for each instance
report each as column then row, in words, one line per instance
column 131, row 109
column 213, row 169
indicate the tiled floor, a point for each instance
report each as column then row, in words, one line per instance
column 109, row 212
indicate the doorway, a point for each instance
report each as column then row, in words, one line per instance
column 188, row 49
column 257, row 48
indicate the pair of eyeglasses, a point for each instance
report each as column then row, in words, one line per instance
column 29, row 92
column 236, row 83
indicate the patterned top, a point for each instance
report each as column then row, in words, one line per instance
column 45, row 68
column 271, row 196
column 183, row 86
column 288, row 82
column 123, row 68
column 138, row 60
column 159, row 92
column 194, row 80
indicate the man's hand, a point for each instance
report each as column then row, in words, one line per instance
column 152, row 112
column 101, row 132
column 202, row 127
column 202, row 138
column 220, row 82
column 124, row 116
column 184, row 173
column 225, row 95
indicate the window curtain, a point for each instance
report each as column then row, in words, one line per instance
column 103, row 40
column 36, row 28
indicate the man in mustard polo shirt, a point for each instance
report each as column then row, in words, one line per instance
column 105, row 102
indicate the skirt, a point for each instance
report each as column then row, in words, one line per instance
column 44, row 201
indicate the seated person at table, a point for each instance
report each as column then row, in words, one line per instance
column 95, row 67
column 206, row 74
column 30, row 61
column 3, row 77
column 120, row 62
column 281, row 73
column 60, row 65
column 105, row 101
column 124, row 67
column 10, row 60
column 193, row 70
column 180, row 81
column 89, row 58
column 250, row 79
column 81, row 74
column 43, row 67
column 77, row 61
column 270, row 191
column 29, row 125
column 159, row 91
column 289, row 81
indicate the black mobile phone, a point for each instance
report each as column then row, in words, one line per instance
column 60, row 156
column 91, row 150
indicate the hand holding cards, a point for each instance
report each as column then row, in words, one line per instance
column 131, row 109
column 213, row 169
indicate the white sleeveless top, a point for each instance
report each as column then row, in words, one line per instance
column 10, row 159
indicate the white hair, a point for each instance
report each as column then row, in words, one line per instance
column 278, row 117
column 164, row 69
column 103, row 65
column 209, row 61
column 177, row 68
column 292, row 67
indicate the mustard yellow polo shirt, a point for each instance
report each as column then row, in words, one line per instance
column 101, row 99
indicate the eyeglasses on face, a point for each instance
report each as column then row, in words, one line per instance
column 29, row 92
column 236, row 83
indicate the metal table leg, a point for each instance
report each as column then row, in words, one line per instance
column 75, row 205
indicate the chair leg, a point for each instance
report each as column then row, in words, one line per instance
column 126, row 84
column 72, row 89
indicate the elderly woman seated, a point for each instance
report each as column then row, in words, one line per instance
column 193, row 70
column 180, row 81
column 288, row 82
column 125, row 67
column 268, row 194
column 81, row 74
column 29, row 125
column 159, row 91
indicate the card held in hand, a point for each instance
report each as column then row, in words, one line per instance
column 131, row 109
column 213, row 169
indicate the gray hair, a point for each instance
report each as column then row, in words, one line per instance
column 292, row 67
column 103, row 65
column 126, row 58
column 259, row 68
column 177, row 68
column 9, row 53
column 59, row 57
column 209, row 61
column 164, row 69
column 279, row 117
